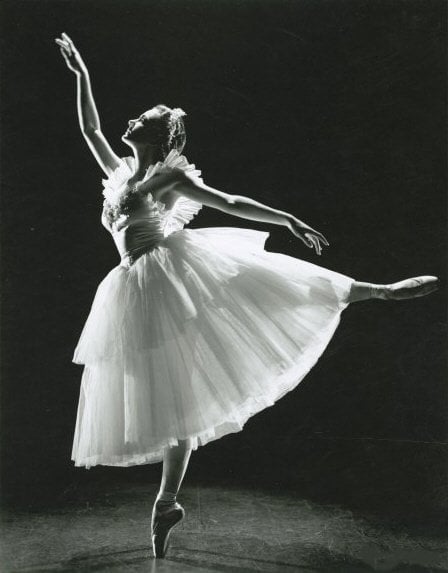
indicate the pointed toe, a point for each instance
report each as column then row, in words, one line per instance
column 412, row 288
column 162, row 525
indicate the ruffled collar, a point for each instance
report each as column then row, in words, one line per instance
column 115, row 186
column 120, row 198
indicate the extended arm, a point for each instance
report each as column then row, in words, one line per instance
column 89, row 121
column 90, row 125
column 247, row 208
column 237, row 205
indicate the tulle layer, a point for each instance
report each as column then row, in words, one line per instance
column 193, row 339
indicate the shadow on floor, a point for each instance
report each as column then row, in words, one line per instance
column 226, row 530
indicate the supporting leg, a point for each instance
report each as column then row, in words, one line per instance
column 167, row 512
column 175, row 463
column 409, row 288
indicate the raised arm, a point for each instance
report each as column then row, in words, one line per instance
column 247, row 208
column 89, row 121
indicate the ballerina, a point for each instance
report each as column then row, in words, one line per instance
column 196, row 330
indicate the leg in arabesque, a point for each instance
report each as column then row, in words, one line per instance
column 409, row 288
column 167, row 512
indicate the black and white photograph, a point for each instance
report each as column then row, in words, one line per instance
column 223, row 286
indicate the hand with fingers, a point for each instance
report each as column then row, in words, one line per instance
column 71, row 55
column 312, row 239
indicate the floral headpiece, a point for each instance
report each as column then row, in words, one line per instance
column 174, row 127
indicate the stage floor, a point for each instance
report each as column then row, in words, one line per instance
column 226, row 529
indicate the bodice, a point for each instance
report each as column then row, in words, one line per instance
column 136, row 221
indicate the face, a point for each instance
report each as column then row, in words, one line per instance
column 143, row 129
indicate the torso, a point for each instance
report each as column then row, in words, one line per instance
column 141, row 212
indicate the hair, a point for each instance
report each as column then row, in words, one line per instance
column 171, row 128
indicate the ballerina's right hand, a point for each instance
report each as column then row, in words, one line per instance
column 307, row 234
column 71, row 55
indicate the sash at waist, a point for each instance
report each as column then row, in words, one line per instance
column 132, row 241
column 129, row 258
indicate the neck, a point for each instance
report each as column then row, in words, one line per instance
column 144, row 157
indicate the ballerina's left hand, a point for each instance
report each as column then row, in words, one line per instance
column 307, row 234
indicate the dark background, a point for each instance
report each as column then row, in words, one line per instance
column 332, row 110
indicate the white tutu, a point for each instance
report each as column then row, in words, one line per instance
column 195, row 337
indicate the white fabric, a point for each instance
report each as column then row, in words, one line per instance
column 194, row 336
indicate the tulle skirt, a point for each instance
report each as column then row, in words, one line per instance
column 193, row 339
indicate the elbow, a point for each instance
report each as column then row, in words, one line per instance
column 234, row 202
column 231, row 204
column 89, row 131
column 231, row 200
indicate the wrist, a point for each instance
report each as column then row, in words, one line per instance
column 289, row 220
column 82, row 72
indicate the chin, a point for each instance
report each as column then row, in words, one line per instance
column 125, row 139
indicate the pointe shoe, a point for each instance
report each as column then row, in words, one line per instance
column 410, row 288
column 162, row 524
